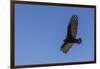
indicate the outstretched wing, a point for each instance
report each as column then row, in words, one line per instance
column 73, row 25
column 66, row 47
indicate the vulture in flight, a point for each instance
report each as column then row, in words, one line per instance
column 71, row 35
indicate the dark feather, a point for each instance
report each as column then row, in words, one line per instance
column 71, row 34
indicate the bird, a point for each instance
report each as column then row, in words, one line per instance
column 70, row 38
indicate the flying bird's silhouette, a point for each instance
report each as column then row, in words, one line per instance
column 71, row 35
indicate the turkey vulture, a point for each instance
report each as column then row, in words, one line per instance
column 71, row 35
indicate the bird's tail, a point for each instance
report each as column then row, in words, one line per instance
column 79, row 40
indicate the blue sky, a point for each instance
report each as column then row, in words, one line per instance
column 40, row 31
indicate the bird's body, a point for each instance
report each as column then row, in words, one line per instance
column 71, row 35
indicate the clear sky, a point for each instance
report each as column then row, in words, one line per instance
column 40, row 31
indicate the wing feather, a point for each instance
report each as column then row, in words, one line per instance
column 66, row 47
column 74, row 25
